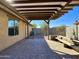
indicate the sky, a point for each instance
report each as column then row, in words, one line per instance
column 67, row 19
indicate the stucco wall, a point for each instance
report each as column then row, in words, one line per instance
column 5, row 39
column 69, row 32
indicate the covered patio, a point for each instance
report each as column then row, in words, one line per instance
column 46, row 10
column 36, row 47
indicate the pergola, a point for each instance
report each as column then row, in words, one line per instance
column 43, row 9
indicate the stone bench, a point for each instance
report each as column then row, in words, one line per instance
column 68, row 42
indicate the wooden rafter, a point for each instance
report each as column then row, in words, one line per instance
column 48, row 9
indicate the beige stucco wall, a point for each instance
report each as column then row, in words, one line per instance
column 69, row 32
column 5, row 40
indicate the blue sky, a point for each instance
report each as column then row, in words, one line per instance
column 67, row 19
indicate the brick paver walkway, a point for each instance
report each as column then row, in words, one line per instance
column 32, row 48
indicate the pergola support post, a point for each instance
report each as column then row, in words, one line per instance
column 27, row 30
column 29, row 21
column 48, row 29
column 48, row 22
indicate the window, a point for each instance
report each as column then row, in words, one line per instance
column 13, row 27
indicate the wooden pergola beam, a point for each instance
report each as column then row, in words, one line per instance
column 29, row 21
column 36, row 1
column 47, row 21
column 59, row 11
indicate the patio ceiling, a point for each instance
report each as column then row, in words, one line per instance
column 43, row 9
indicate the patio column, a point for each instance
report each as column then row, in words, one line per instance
column 48, row 22
column 27, row 30
column 48, row 29
column 29, row 21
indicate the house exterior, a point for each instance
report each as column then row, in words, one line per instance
column 69, row 32
column 72, row 32
column 13, row 27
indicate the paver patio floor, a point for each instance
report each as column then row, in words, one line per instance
column 33, row 48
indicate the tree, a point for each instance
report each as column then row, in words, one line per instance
column 62, row 27
column 34, row 25
column 44, row 27
column 60, row 30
